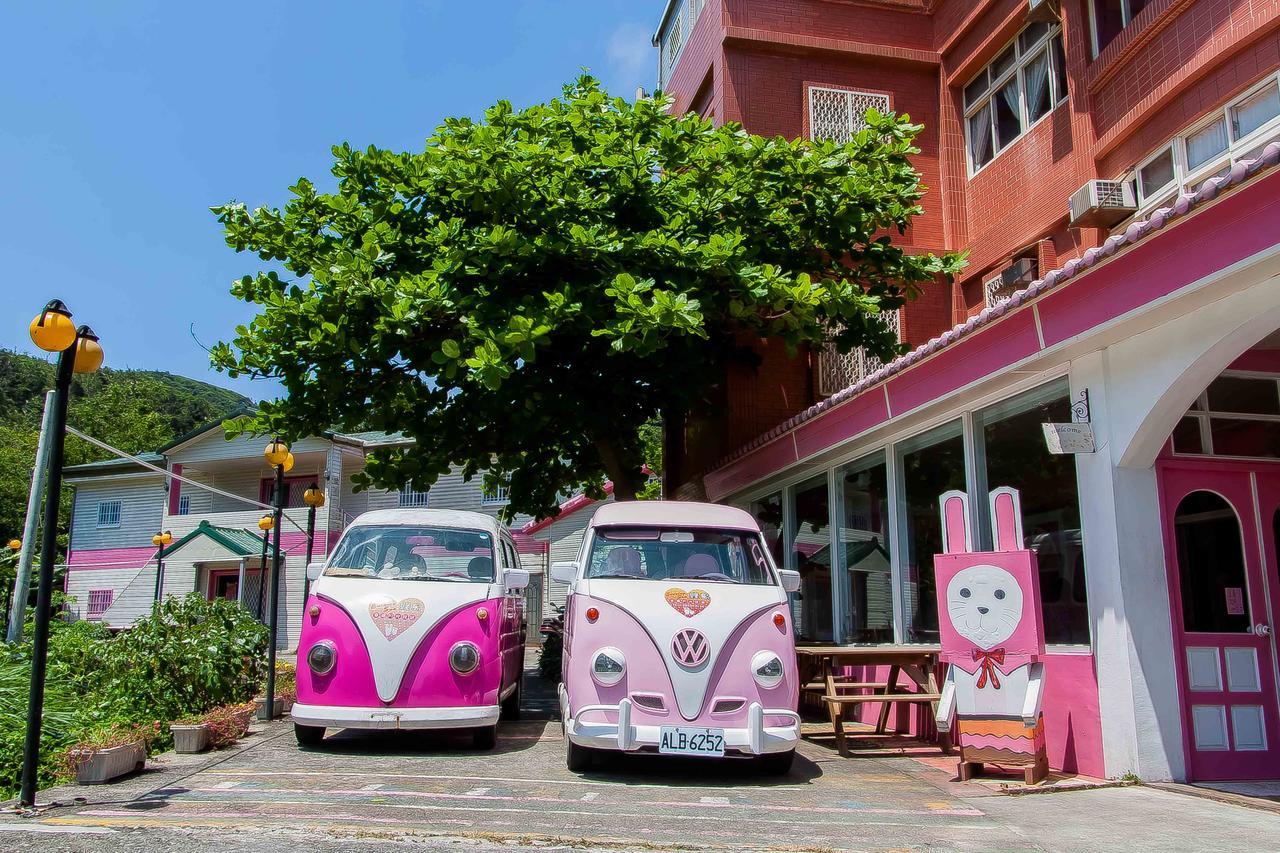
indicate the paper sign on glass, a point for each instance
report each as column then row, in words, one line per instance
column 1235, row 601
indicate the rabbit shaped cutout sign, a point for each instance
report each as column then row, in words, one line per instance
column 992, row 638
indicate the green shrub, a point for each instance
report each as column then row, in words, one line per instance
column 61, row 724
column 190, row 655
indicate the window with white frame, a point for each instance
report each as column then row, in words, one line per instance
column 836, row 114
column 1109, row 17
column 1022, row 85
column 410, row 496
column 108, row 513
column 184, row 504
column 1238, row 414
column 675, row 36
column 1237, row 131
column 496, row 495
column 99, row 601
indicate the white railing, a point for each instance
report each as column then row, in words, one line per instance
column 181, row 525
column 837, row 371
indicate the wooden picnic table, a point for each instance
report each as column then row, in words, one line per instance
column 917, row 662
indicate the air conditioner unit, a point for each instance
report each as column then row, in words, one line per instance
column 1043, row 10
column 1101, row 204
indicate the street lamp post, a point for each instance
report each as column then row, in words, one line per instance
column 264, row 524
column 161, row 541
column 277, row 455
column 78, row 352
column 314, row 499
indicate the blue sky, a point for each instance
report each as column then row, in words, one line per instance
column 121, row 123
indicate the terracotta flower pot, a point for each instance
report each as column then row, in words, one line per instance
column 189, row 739
column 103, row 765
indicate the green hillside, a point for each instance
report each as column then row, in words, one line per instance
column 135, row 410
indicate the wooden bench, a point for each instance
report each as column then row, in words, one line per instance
column 834, row 691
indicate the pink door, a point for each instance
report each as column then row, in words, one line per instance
column 1219, row 550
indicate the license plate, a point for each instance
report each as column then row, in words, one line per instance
column 681, row 740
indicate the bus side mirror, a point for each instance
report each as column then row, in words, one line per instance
column 514, row 579
column 314, row 570
column 566, row 572
column 790, row 580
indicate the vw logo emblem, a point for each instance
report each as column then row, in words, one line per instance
column 690, row 648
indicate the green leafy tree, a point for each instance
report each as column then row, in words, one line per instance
column 527, row 291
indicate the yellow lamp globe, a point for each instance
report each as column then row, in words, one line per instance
column 288, row 463
column 266, row 523
column 276, row 452
column 166, row 537
column 314, row 496
column 52, row 330
column 88, row 352
column 157, row 540
column 15, row 544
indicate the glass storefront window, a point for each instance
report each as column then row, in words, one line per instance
column 928, row 465
column 865, row 586
column 767, row 512
column 810, row 555
column 1015, row 455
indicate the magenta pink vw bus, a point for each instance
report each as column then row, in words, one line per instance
column 678, row 638
column 414, row 622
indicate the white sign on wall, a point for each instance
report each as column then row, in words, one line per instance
column 1068, row 438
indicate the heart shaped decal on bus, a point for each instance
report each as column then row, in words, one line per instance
column 392, row 618
column 689, row 603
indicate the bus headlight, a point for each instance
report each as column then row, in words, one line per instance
column 766, row 669
column 464, row 657
column 608, row 666
column 322, row 657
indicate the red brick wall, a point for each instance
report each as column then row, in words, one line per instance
column 1179, row 59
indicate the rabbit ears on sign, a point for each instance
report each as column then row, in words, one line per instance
column 957, row 524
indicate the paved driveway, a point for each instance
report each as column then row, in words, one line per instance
column 436, row 791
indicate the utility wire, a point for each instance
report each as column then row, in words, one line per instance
column 120, row 453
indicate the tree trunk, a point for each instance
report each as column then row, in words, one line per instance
column 624, row 480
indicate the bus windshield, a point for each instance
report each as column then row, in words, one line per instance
column 717, row 556
column 413, row 553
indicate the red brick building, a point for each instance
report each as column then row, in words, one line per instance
column 1102, row 87
column 1112, row 169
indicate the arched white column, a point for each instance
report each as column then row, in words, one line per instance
column 1153, row 377
column 1139, row 386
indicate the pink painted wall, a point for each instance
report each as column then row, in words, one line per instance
column 1072, row 721
column 109, row 558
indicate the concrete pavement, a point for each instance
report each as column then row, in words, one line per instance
column 433, row 791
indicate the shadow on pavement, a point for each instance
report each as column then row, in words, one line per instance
column 665, row 770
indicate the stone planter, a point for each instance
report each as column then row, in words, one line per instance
column 277, row 707
column 106, row 764
column 189, row 739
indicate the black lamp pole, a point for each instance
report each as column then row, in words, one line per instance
column 268, row 707
column 311, row 535
column 44, row 589
column 262, row 573
column 159, row 569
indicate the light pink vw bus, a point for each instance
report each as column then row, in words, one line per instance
column 678, row 638
column 414, row 622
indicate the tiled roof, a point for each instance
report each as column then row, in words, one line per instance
column 1138, row 231
column 103, row 464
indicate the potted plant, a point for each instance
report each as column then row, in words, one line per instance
column 215, row 729
column 108, row 753
column 286, row 690
column 190, row 734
